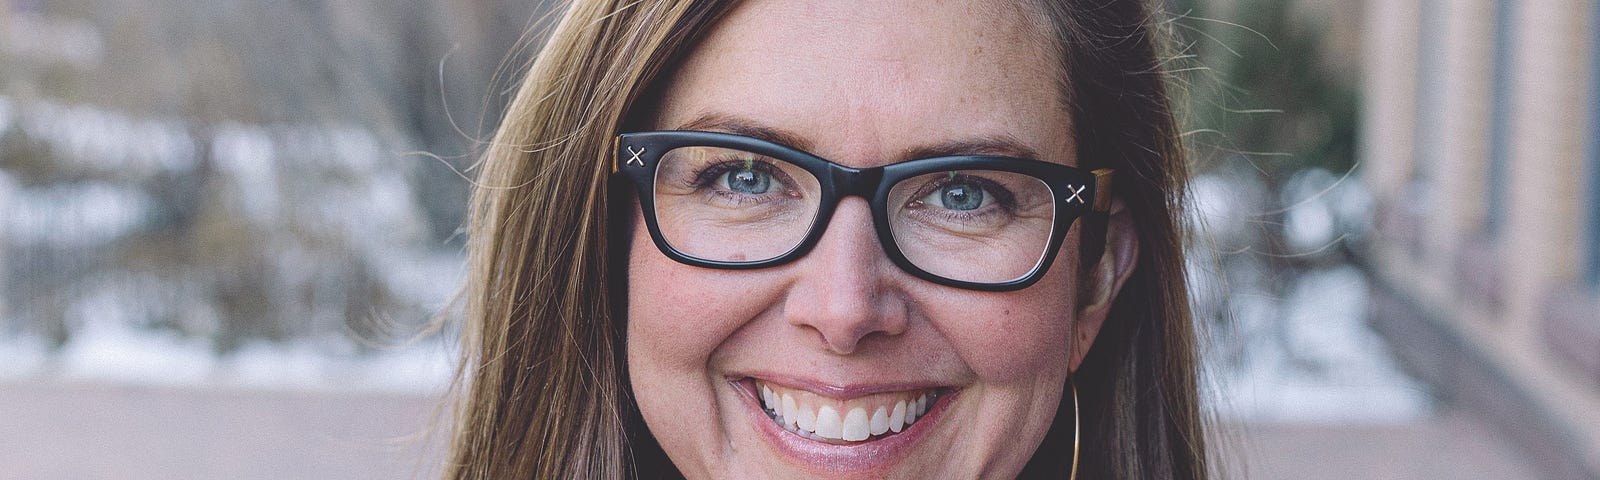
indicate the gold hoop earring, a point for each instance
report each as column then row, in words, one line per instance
column 1075, row 428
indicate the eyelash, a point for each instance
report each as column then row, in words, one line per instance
column 709, row 174
column 1004, row 198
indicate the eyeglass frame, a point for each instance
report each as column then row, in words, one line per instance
column 636, row 157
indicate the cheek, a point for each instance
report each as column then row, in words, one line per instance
column 679, row 318
column 1018, row 339
column 658, row 292
column 667, row 351
column 679, row 315
column 1021, row 340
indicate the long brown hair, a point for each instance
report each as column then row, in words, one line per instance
column 544, row 379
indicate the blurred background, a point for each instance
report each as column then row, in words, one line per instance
column 228, row 228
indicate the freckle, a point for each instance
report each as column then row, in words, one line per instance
column 1006, row 312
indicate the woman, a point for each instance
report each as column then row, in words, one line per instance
column 785, row 238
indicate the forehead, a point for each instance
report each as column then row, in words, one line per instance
column 861, row 82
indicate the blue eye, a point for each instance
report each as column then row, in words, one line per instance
column 748, row 180
column 959, row 195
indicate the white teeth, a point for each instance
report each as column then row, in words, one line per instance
column 856, row 424
column 853, row 420
column 808, row 419
column 829, row 425
column 856, row 427
column 790, row 411
column 880, row 421
column 897, row 419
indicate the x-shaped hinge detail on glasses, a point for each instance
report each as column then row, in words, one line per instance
column 1077, row 194
column 635, row 161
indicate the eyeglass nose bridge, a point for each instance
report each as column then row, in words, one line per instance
column 860, row 182
column 843, row 182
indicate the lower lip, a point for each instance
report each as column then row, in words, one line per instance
column 863, row 458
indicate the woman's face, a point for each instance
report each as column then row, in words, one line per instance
column 842, row 333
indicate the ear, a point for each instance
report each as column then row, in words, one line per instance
column 1106, row 278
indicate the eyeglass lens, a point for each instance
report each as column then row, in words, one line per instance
column 729, row 205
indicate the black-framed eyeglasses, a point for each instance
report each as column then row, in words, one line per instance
column 980, row 222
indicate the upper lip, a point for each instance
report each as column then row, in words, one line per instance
column 839, row 391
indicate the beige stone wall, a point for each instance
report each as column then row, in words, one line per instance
column 1437, row 154
column 1460, row 158
column 1389, row 82
column 1425, row 153
column 1547, row 202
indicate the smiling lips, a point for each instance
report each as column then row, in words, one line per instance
column 844, row 421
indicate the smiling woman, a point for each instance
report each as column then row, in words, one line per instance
column 879, row 239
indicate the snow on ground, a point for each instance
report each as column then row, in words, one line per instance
column 363, row 201
column 21, row 357
column 1309, row 357
column 1322, row 364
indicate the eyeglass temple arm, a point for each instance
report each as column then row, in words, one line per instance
column 1098, row 220
column 1102, row 190
column 615, row 141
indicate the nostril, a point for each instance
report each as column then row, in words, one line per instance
column 839, row 286
column 844, row 314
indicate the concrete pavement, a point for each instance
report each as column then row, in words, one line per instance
column 1452, row 445
column 53, row 430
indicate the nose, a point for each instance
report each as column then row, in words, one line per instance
column 842, row 290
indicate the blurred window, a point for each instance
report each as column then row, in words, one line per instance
column 1429, row 100
column 1592, row 272
column 1500, row 124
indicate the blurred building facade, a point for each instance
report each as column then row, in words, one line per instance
column 1481, row 143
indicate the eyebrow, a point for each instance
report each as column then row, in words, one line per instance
column 1003, row 145
column 716, row 122
column 995, row 144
